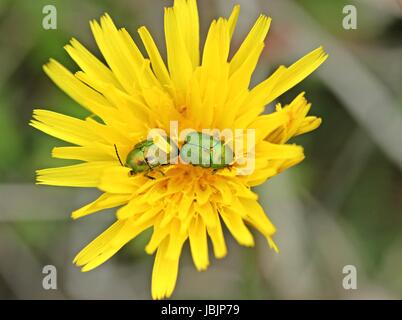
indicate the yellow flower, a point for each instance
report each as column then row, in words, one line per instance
column 133, row 94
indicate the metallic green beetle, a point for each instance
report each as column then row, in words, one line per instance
column 145, row 157
column 200, row 149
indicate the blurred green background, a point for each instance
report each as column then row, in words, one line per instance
column 341, row 206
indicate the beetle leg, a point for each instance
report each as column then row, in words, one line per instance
column 161, row 172
column 149, row 177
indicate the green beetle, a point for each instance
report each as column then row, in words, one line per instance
column 145, row 157
column 200, row 149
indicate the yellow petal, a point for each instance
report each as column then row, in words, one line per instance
column 225, row 192
column 86, row 254
column 179, row 61
column 296, row 123
column 271, row 151
column 309, row 124
column 286, row 78
column 87, row 153
column 134, row 207
column 105, row 201
column 240, row 79
column 184, row 205
column 79, row 175
column 203, row 193
column 195, row 103
column 272, row 244
column 186, row 13
column 74, row 130
column 145, row 78
column 260, row 176
column 164, row 273
column 151, row 214
column 117, row 179
column 214, row 73
column 255, row 38
column 233, row 19
column 122, row 55
column 158, row 236
column 208, row 213
column 89, row 64
column 176, row 240
column 217, row 45
column 199, row 244
column 281, row 81
column 256, row 216
column 282, row 165
column 237, row 227
column 99, row 254
column 76, row 89
column 62, row 127
column 243, row 191
column 218, row 240
column 298, row 72
column 256, row 99
column 158, row 65
column 266, row 124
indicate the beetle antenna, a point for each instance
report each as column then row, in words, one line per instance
column 118, row 156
